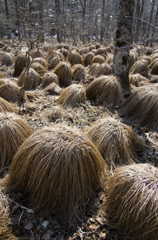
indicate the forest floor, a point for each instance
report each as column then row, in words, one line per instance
column 42, row 110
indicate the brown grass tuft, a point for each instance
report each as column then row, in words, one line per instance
column 39, row 68
column 72, row 95
column 93, row 68
column 141, row 107
column 13, row 131
column 102, row 69
column 78, row 72
column 98, row 59
column 41, row 61
column 101, row 51
column 64, row 52
column 1, row 75
column 64, row 72
column 74, row 58
column 8, row 59
column 154, row 69
column 132, row 201
column 36, row 53
column 29, row 80
column 105, row 89
column 134, row 79
column 117, row 142
column 59, row 168
column 20, row 64
column 6, row 106
column 49, row 78
column 53, row 89
column 88, row 58
column 141, row 67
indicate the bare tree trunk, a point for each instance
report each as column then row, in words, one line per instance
column 150, row 19
column 102, row 22
column 83, row 5
column 155, row 22
column 123, row 39
column 7, row 18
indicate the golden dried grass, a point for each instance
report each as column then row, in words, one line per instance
column 60, row 169
column 72, row 95
column 53, row 89
column 117, row 142
column 13, row 131
column 134, row 79
column 39, row 68
column 101, row 51
column 41, row 61
column 102, row 69
column 64, row 52
column 133, row 57
column 78, row 72
column 8, row 59
column 109, row 59
column 6, row 106
column 154, row 69
column 93, row 68
column 1, row 75
column 141, row 67
column 74, row 58
column 49, row 78
column 98, row 59
column 132, row 201
column 36, row 53
column 88, row 58
column 64, row 72
column 105, row 89
column 20, row 63
column 141, row 107
column 29, row 79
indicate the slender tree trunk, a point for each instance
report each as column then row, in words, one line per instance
column 150, row 19
column 7, row 18
column 123, row 39
column 102, row 22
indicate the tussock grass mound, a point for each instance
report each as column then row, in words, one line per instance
column 141, row 107
column 39, row 68
column 154, row 69
column 49, row 78
column 93, row 68
column 13, row 131
column 6, row 106
column 109, row 59
column 60, row 169
column 72, row 95
column 64, row 72
column 135, row 79
column 11, row 92
column 102, row 69
column 36, row 53
column 141, row 67
column 29, row 80
column 8, row 59
column 101, row 51
column 117, row 142
column 64, row 52
column 133, row 57
column 20, row 63
column 41, row 61
column 132, row 201
column 53, row 89
column 74, row 58
column 105, row 89
column 88, row 58
column 78, row 72
column 98, row 59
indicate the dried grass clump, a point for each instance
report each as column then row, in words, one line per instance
column 13, row 131
column 102, row 69
column 134, row 79
column 53, row 56
column 154, row 69
column 78, row 72
column 141, row 67
column 49, row 78
column 88, row 58
column 132, row 201
column 36, row 53
column 6, row 106
column 117, row 142
column 64, row 52
column 41, row 61
column 1, row 75
column 74, row 58
column 39, row 68
column 56, row 113
column 72, row 95
column 105, row 89
column 133, row 57
column 8, row 59
column 101, row 51
column 20, row 63
column 11, row 92
column 141, row 107
column 98, row 59
column 29, row 80
column 64, row 72
column 93, row 68
column 109, row 59
column 60, row 169
column 53, row 89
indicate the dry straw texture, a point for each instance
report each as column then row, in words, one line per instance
column 29, row 79
column 132, row 201
column 39, row 68
column 8, row 59
column 49, row 78
column 10, row 91
column 141, row 107
column 60, row 169
column 141, row 67
column 117, row 142
column 36, row 53
column 105, row 89
column 74, row 58
column 53, row 89
column 64, row 72
column 13, row 131
column 6, row 106
column 102, row 69
column 78, row 72
column 41, row 61
column 88, row 58
column 98, row 59
column 1, row 75
column 20, row 63
column 72, row 95
column 154, row 69
column 101, row 51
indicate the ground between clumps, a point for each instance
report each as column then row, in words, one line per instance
column 41, row 111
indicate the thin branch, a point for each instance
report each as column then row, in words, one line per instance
column 143, row 21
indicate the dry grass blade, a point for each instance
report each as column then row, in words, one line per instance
column 154, row 69
column 98, row 59
column 78, row 72
column 29, row 79
column 36, row 53
column 141, row 67
column 49, row 78
column 41, row 61
column 6, row 106
column 88, row 58
column 117, row 142
column 39, row 68
column 60, row 169
column 64, row 72
column 132, row 201
column 20, row 63
column 74, row 58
